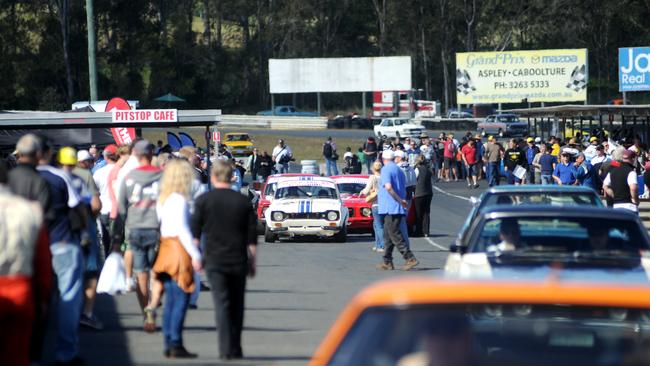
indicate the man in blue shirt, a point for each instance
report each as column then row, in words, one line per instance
column 565, row 172
column 546, row 165
column 584, row 172
column 392, row 205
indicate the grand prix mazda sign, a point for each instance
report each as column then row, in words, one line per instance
column 634, row 69
column 516, row 76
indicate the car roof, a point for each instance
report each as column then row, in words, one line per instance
column 406, row 291
column 538, row 188
column 348, row 176
column 496, row 211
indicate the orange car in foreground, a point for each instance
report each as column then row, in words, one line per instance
column 423, row 322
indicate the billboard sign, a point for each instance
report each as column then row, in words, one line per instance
column 517, row 76
column 634, row 69
column 349, row 74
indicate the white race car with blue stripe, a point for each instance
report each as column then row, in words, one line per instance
column 306, row 206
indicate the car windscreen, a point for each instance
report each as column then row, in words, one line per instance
column 558, row 235
column 269, row 189
column 508, row 119
column 542, row 198
column 237, row 138
column 496, row 334
column 399, row 122
column 350, row 188
column 306, row 192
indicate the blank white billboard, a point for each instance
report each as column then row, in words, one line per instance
column 352, row 74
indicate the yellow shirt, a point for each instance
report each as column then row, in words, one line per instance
column 556, row 150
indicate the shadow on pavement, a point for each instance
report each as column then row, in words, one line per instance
column 109, row 346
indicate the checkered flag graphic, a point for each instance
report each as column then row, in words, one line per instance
column 578, row 80
column 464, row 83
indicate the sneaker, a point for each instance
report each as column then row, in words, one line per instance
column 410, row 264
column 380, row 250
column 476, row 185
column 469, row 186
column 204, row 287
column 386, row 266
column 192, row 306
column 91, row 322
column 130, row 285
column 149, row 320
column 179, row 352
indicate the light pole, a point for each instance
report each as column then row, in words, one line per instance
column 92, row 65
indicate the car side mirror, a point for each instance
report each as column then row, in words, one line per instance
column 455, row 248
column 474, row 201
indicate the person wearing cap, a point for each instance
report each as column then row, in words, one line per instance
column 531, row 151
column 101, row 181
column 621, row 184
column 24, row 179
column 590, row 151
column 449, row 154
column 555, row 146
column 137, row 199
column 67, row 258
column 393, row 206
column 492, row 158
column 75, row 164
column 514, row 157
column 564, row 173
column 282, row 155
column 411, row 183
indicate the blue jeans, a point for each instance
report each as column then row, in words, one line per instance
column 493, row 174
column 405, row 231
column 547, row 179
column 378, row 226
column 330, row 166
column 68, row 266
column 176, row 302
column 369, row 161
column 282, row 168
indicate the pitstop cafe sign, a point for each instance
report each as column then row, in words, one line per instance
column 145, row 115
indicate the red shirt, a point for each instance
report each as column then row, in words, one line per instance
column 449, row 153
column 470, row 154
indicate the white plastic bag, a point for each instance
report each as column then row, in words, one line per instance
column 112, row 280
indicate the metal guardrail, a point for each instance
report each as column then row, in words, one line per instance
column 273, row 122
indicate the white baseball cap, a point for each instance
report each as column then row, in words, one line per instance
column 388, row 155
column 83, row 155
column 399, row 154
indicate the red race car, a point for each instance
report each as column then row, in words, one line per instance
column 266, row 195
column 360, row 211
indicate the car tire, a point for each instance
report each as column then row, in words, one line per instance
column 269, row 237
column 341, row 236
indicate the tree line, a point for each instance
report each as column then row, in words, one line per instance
column 214, row 53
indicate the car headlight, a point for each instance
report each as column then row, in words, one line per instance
column 332, row 215
column 277, row 215
column 367, row 212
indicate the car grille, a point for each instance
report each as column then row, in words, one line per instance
column 302, row 216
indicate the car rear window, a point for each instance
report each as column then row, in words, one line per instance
column 542, row 198
column 497, row 334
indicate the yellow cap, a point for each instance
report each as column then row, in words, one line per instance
column 68, row 156
column 593, row 138
column 530, row 139
column 490, row 138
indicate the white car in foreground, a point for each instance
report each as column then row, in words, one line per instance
column 398, row 127
column 306, row 206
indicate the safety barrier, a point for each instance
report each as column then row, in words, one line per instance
column 449, row 124
column 273, row 122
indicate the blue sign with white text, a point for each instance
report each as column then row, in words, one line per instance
column 634, row 69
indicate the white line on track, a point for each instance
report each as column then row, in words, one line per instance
column 436, row 244
column 450, row 194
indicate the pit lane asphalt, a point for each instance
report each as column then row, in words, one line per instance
column 300, row 289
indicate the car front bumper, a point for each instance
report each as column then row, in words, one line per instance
column 291, row 228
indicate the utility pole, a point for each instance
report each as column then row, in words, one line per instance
column 92, row 65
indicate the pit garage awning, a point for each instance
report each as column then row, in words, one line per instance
column 583, row 110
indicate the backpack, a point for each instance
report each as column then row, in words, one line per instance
column 327, row 150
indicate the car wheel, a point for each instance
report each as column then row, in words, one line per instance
column 341, row 236
column 269, row 237
column 501, row 133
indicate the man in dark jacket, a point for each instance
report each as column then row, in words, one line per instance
column 228, row 223
column 514, row 157
column 24, row 179
column 422, row 197
column 531, row 150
